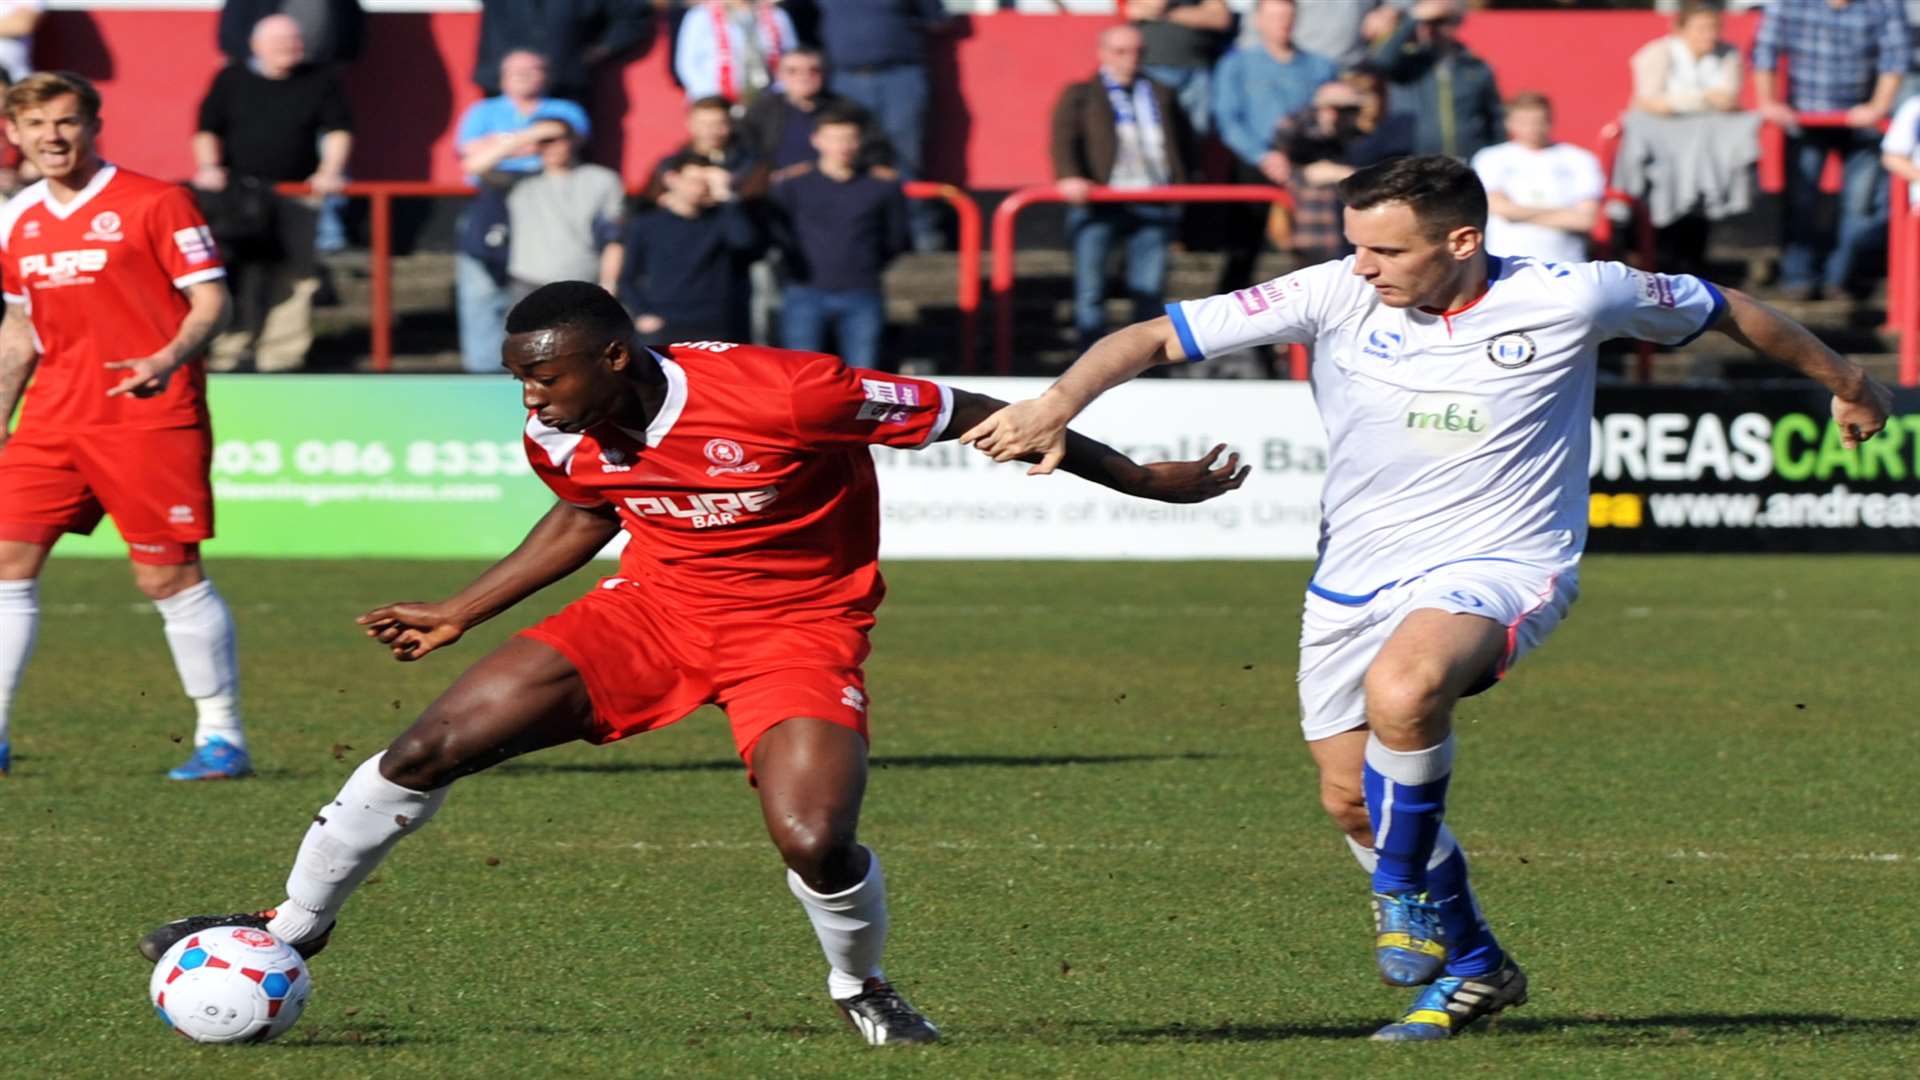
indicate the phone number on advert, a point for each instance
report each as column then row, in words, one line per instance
column 344, row 457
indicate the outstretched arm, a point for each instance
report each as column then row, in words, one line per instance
column 1860, row 405
column 1039, row 426
column 560, row 543
column 1090, row 459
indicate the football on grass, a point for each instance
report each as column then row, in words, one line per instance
column 230, row 984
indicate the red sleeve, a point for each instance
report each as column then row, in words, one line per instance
column 16, row 293
column 836, row 404
column 554, row 473
column 181, row 240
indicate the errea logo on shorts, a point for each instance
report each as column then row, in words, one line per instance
column 1447, row 424
column 852, row 698
column 704, row 510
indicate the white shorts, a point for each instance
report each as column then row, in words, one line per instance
column 1338, row 640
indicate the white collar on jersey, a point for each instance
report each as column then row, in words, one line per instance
column 663, row 421
column 65, row 210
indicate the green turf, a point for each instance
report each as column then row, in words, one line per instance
column 1691, row 814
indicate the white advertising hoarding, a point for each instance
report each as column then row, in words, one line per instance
column 951, row 502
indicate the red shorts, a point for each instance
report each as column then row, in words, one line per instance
column 154, row 483
column 646, row 667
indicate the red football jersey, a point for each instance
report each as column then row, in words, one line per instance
column 102, row 277
column 753, row 488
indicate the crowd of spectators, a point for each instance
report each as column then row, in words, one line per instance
column 777, row 217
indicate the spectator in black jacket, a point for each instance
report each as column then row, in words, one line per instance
column 275, row 119
column 686, row 258
column 574, row 36
column 779, row 127
column 713, row 138
column 839, row 227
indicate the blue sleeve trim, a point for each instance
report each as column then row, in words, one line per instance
column 1719, row 305
column 1347, row 599
column 1187, row 343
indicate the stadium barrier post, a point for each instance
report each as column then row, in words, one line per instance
column 967, row 293
column 1009, row 210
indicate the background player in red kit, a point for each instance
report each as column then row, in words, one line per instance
column 112, row 288
column 742, row 478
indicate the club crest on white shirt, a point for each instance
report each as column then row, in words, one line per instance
column 1513, row 349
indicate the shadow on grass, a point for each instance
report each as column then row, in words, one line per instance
column 1677, row 1027
column 373, row 1032
column 914, row 761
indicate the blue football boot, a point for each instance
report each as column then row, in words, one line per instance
column 1409, row 945
column 1454, row 1002
column 6, row 757
column 217, row 760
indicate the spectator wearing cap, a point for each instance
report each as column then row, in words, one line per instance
column 564, row 222
column 1118, row 129
column 729, row 48
column 1182, row 39
column 1842, row 56
column 576, row 36
column 497, row 147
column 1452, row 94
column 838, row 226
column 1254, row 88
column 686, row 257
column 1543, row 196
column 779, row 126
column 275, row 119
column 878, row 49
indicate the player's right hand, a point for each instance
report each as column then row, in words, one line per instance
column 1022, row 429
column 411, row 629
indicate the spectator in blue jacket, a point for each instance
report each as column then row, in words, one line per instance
column 1452, row 94
column 1255, row 87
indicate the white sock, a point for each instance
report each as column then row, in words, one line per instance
column 852, row 927
column 19, row 620
column 1443, row 846
column 348, row 838
column 200, row 633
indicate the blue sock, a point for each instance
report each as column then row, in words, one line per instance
column 1406, row 799
column 1472, row 949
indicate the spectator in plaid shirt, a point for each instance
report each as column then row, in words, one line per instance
column 1346, row 129
column 1842, row 56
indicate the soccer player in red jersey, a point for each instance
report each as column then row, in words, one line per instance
column 113, row 286
column 742, row 478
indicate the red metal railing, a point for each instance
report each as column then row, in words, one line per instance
column 381, row 193
column 1010, row 208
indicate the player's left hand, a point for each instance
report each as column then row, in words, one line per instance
column 146, row 376
column 1863, row 419
column 1191, row 481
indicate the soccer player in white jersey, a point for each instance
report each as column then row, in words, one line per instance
column 1457, row 390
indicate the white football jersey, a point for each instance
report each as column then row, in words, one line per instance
column 1451, row 436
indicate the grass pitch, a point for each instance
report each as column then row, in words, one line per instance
column 1691, row 820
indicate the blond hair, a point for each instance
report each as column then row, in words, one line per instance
column 44, row 86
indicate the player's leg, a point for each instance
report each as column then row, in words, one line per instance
column 811, row 775
column 20, row 565
column 524, row 696
column 199, row 630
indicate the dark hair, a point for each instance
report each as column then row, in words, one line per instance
column 673, row 163
column 841, row 114
column 1443, row 193
column 1690, row 8
column 712, row 101
column 579, row 305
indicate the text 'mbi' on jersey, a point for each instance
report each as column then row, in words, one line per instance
column 101, row 277
column 1455, row 436
column 753, row 488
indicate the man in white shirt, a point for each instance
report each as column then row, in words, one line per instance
column 1543, row 197
column 1457, row 392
